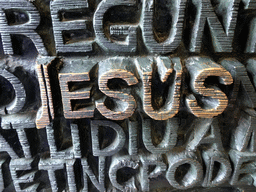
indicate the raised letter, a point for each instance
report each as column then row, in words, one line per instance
column 244, row 168
column 67, row 153
column 213, row 100
column 222, row 34
column 52, row 165
column 160, row 106
column 177, row 11
column 145, row 173
column 201, row 128
column 251, row 41
column 212, row 158
column 20, row 94
column 133, row 136
column 114, row 69
column 68, row 96
column 242, row 83
column 168, row 140
column 117, row 163
column 87, row 171
column 116, row 145
column 4, row 172
column 62, row 25
column 24, row 165
column 244, row 136
column 5, row 147
column 45, row 113
column 194, row 174
column 130, row 43
column 27, row 28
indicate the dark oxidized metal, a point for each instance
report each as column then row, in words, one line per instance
column 128, row 95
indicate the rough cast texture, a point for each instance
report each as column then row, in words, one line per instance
column 127, row 95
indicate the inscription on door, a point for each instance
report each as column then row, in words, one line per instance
column 127, row 95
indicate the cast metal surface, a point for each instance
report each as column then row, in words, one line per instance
column 127, row 95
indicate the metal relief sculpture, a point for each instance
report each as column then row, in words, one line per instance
column 127, row 95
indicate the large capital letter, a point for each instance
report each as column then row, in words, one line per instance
column 244, row 169
column 145, row 174
column 177, row 11
column 130, row 43
column 193, row 175
column 117, row 163
column 68, row 95
column 62, row 25
column 169, row 138
column 27, row 29
column 112, row 69
column 28, row 168
column 212, row 158
column 169, row 82
column 115, row 146
column 214, row 100
column 222, row 34
column 200, row 134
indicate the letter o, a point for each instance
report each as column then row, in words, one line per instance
column 190, row 179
